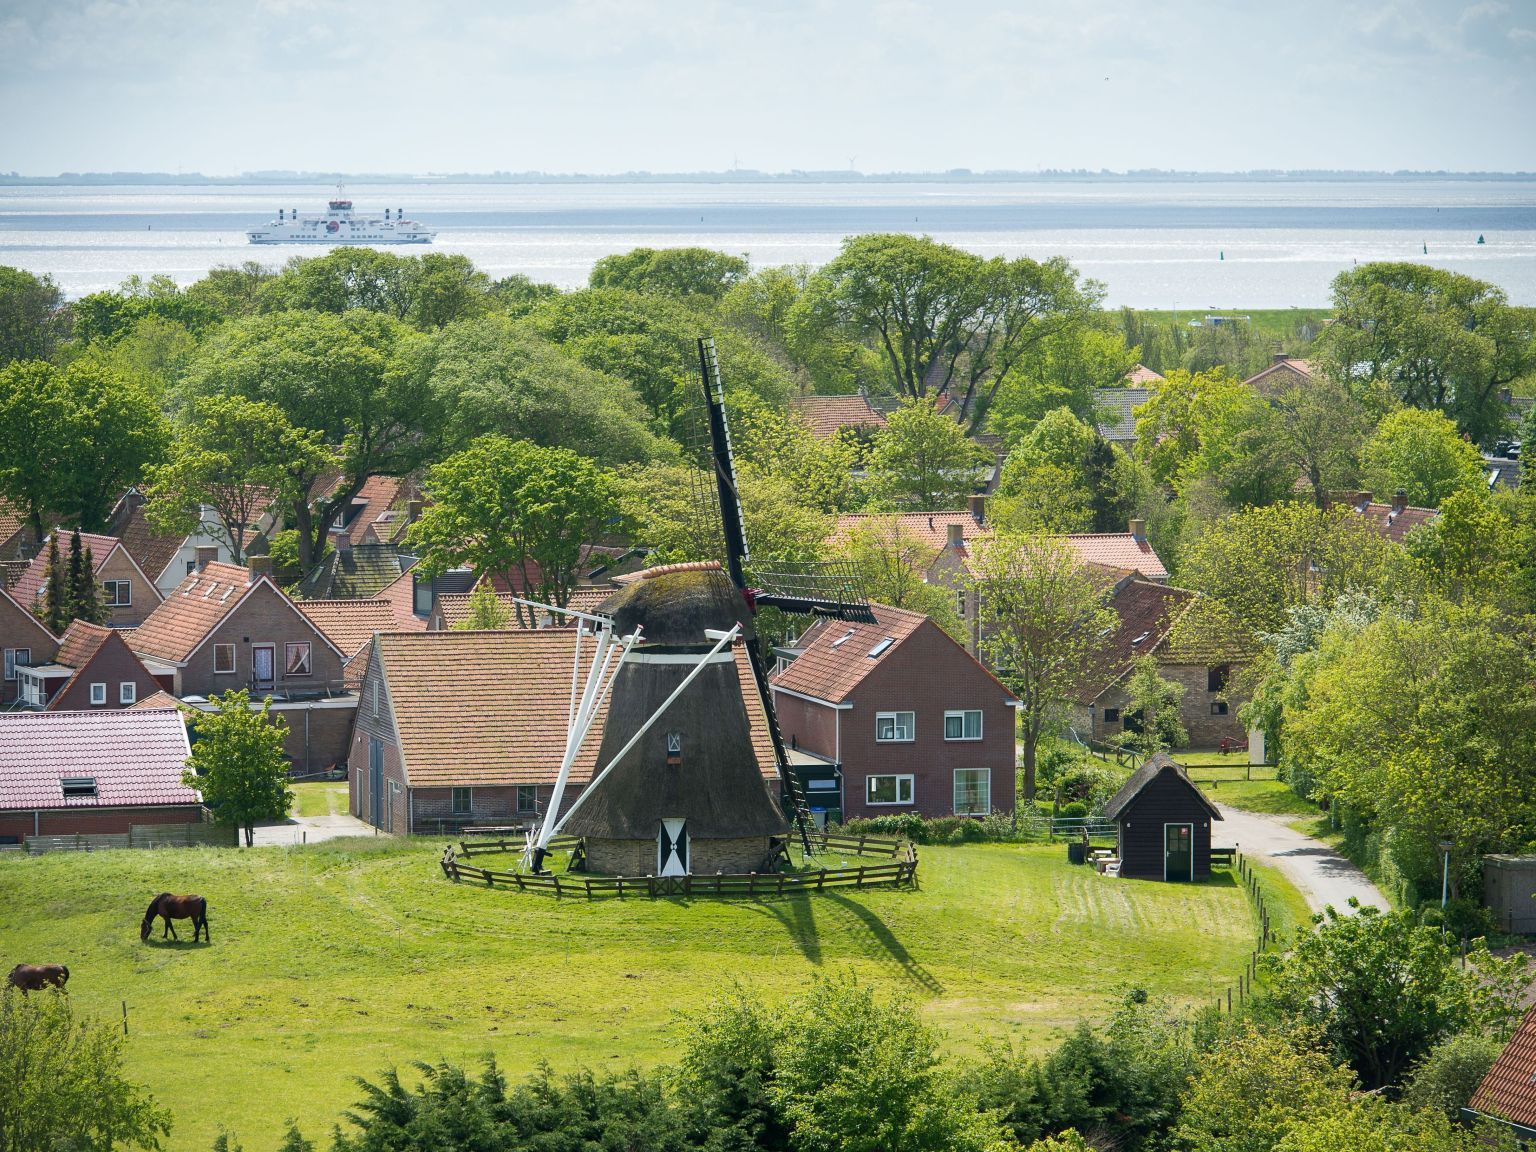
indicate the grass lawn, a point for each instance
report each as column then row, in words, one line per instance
column 1272, row 797
column 342, row 958
column 319, row 798
column 1274, row 322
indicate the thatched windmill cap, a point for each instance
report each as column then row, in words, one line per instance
column 674, row 604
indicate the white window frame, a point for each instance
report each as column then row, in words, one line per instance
column 901, row 778
column 119, row 593
column 962, row 713
column 309, row 660
column 895, row 737
column 127, row 692
column 453, row 802
column 234, row 662
column 99, row 692
column 986, row 792
column 13, row 657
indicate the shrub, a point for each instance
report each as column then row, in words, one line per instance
column 996, row 827
column 1075, row 810
column 1446, row 1078
column 1091, row 784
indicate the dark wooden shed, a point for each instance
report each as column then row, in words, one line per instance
column 1164, row 823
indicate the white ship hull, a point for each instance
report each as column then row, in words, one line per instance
column 340, row 226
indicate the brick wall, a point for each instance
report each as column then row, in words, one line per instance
column 1206, row 730
column 928, row 674
column 143, row 595
column 15, row 825
column 113, row 665
column 638, row 857
column 18, row 631
column 266, row 617
column 327, row 741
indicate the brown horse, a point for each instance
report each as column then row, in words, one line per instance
column 168, row 908
column 36, row 977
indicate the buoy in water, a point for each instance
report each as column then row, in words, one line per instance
column 1222, row 255
column 1426, row 248
column 1480, row 238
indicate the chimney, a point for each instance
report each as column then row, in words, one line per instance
column 206, row 555
column 1138, row 530
column 413, row 511
column 956, row 534
column 1399, row 500
column 978, row 507
column 1279, row 358
column 260, row 566
column 342, row 542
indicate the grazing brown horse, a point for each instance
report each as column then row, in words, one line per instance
column 168, row 908
column 36, row 977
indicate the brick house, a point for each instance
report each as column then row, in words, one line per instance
column 63, row 773
column 23, row 640
column 460, row 728
column 1283, row 372
column 228, row 627
column 894, row 716
column 1146, row 616
column 125, row 588
column 92, row 669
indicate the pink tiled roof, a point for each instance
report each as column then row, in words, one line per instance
column 11, row 521
column 1508, row 1091
column 160, row 699
column 401, row 594
column 826, row 414
column 1393, row 522
column 1282, row 366
column 1141, row 375
column 350, row 624
column 79, row 643
column 29, row 589
column 135, row 756
column 152, row 551
column 1109, row 549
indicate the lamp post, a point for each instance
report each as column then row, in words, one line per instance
column 1445, row 878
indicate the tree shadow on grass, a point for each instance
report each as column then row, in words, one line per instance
column 797, row 915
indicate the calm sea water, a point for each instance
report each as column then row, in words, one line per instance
column 1188, row 246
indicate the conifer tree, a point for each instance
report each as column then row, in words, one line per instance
column 84, row 600
column 56, row 595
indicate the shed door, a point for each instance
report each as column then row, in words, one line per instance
column 1178, row 852
column 672, row 849
column 375, row 780
column 264, row 664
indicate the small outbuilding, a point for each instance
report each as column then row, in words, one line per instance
column 1163, row 822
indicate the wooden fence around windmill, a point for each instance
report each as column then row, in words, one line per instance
column 895, row 865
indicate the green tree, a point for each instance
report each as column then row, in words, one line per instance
column 893, row 563
column 1450, row 1072
column 486, row 611
column 1063, row 477
column 238, row 764
column 1438, row 339
column 34, row 440
column 154, row 351
column 446, row 287
column 30, row 315
column 923, row 461
column 515, row 510
column 64, row 1082
column 1481, row 547
column 1154, row 703
column 1260, row 562
column 1370, row 1124
column 1381, row 990
column 232, row 290
column 494, row 375
column 1043, row 622
column 237, row 457
column 1256, row 1088
column 359, row 382
column 114, row 431
column 84, row 598
column 56, row 595
column 1423, row 725
column 1317, row 429
column 1420, row 453
column 343, row 280
column 1065, row 370
column 783, row 446
column 680, row 272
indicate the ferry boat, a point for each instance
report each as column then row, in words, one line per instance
column 340, row 226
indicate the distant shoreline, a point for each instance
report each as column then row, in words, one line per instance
column 740, row 176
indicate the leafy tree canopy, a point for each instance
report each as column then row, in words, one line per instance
column 682, row 272
column 237, row 762
column 1420, row 453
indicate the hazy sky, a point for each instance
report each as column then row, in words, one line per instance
column 611, row 85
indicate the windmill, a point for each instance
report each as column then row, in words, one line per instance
column 676, row 759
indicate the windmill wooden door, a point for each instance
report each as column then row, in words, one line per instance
column 672, row 848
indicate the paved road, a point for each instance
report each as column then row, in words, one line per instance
column 311, row 829
column 1321, row 875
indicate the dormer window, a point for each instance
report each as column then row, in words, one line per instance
column 78, row 786
column 843, row 639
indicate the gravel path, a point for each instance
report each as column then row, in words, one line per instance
column 1321, row 875
column 311, row 829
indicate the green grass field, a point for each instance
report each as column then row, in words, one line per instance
column 343, row 958
column 1272, row 322
column 1271, row 797
column 319, row 798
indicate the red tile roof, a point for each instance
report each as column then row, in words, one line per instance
column 836, row 655
column 1508, row 1091
column 29, row 589
column 826, row 414
column 10, row 605
column 152, row 551
column 401, row 595
column 199, row 604
column 1141, row 375
column 491, row 707
column 79, row 643
column 454, row 606
column 160, row 699
column 1392, row 522
column 1146, row 614
column 11, row 521
column 350, row 624
column 1282, row 366
column 1110, row 549
column 135, row 756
